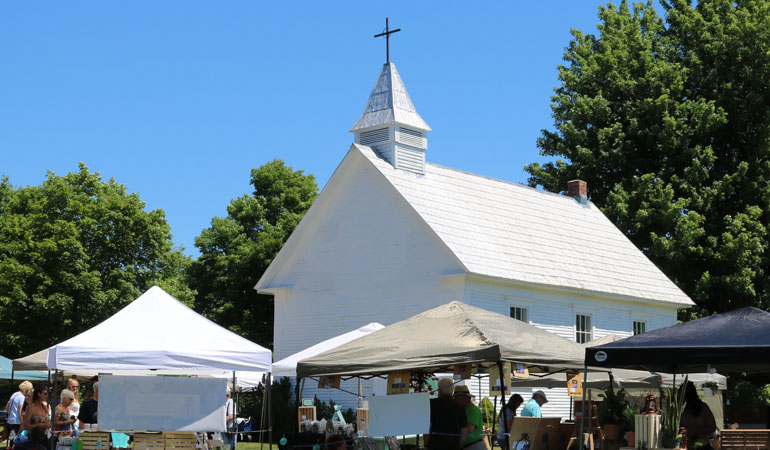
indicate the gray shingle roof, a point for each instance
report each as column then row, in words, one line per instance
column 510, row 231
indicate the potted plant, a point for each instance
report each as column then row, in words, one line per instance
column 611, row 413
column 629, row 424
column 673, row 407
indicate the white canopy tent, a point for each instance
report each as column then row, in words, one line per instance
column 287, row 367
column 157, row 332
column 39, row 361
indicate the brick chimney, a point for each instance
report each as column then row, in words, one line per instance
column 578, row 189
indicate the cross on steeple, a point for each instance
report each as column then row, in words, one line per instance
column 387, row 34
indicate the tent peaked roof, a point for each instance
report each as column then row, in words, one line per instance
column 287, row 367
column 156, row 331
column 454, row 333
column 738, row 340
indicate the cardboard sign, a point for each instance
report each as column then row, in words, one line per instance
column 575, row 385
column 520, row 371
column 462, row 372
column 329, row 382
column 497, row 384
column 398, row 382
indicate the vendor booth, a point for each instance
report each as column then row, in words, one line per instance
column 156, row 335
column 454, row 338
column 736, row 341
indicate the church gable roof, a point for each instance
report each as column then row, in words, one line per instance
column 513, row 232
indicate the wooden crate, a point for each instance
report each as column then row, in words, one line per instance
column 149, row 441
column 179, row 440
column 305, row 413
column 91, row 439
column 362, row 421
column 745, row 439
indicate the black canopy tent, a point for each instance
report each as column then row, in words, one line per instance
column 735, row 341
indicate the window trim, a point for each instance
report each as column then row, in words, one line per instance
column 636, row 320
column 590, row 332
column 512, row 302
column 523, row 308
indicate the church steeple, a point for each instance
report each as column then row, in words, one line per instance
column 390, row 123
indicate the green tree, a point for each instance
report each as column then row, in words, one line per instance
column 668, row 120
column 73, row 251
column 237, row 249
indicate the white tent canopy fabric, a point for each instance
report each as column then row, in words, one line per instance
column 287, row 367
column 156, row 332
column 39, row 360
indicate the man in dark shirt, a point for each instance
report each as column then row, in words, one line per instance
column 88, row 410
column 447, row 419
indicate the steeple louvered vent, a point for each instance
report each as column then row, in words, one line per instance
column 374, row 136
column 412, row 138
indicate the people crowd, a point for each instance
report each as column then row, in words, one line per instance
column 456, row 422
column 30, row 425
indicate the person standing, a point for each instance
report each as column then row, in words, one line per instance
column 89, row 410
column 37, row 414
column 230, row 437
column 532, row 408
column 474, row 436
column 447, row 419
column 73, row 386
column 507, row 412
column 13, row 408
column 63, row 424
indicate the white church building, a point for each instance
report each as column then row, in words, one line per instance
column 392, row 235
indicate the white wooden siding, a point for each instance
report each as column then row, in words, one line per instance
column 555, row 311
column 366, row 257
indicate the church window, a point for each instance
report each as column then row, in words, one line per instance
column 520, row 313
column 583, row 328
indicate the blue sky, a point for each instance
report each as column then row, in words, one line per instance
column 178, row 100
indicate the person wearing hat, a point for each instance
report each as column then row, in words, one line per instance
column 447, row 419
column 474, row 438
column 532, row 408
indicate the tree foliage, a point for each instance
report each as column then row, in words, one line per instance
column 236, row 249
column 73, row 251
column 668, row 120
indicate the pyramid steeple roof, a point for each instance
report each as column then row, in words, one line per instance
column 389, row 103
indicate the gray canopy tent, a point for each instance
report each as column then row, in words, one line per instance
column 438, row 339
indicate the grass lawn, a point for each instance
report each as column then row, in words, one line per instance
column 255, row 446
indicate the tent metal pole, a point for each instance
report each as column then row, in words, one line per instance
column 297, row 394
column 583, row 407
column 52, row 404
column 235, row 411
column 503, row 387
column 269, row 410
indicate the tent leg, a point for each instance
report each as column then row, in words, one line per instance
column 494, row 417
column 297, row 396
column 503, row 388
column 269, row 410
column 52, row 404
column 583, row 407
